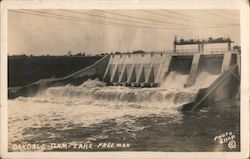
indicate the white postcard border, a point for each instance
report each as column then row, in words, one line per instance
column 146, row 4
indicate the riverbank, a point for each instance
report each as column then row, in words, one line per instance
column 23, row 70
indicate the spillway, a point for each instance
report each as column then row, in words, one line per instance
column 151, row 69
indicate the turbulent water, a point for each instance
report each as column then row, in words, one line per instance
column 146, row 118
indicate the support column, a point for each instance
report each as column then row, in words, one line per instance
column 106, row 76
column 202, row 47
column 229, row 46
column 174, row 44
column 123, row 76
column 132, row 75
column 163, row 69
column 226, row 60
column 141, row 75
column 114, row 76
column 150, row 78
column 194, row 70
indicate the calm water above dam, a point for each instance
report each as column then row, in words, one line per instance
column 146, row 119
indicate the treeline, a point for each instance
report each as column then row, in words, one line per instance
column 78, row 54
column 71, row 55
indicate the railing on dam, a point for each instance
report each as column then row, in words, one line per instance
column 178, row 52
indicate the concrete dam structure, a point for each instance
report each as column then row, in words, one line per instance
column 150, row 69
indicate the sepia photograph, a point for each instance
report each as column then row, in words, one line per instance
column 126, row 80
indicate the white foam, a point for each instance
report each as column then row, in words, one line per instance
column 93, row 102
column 174, row 81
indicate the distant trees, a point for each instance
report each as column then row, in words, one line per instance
column 77, row 54
column 71, row 54
column 81, row 54
column 18, row 56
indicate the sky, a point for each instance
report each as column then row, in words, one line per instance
column 56, row 32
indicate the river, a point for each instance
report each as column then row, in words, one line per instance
column 146, row 119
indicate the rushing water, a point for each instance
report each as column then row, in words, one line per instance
column 145, row 118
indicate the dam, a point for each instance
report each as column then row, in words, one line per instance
column 150, row 69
